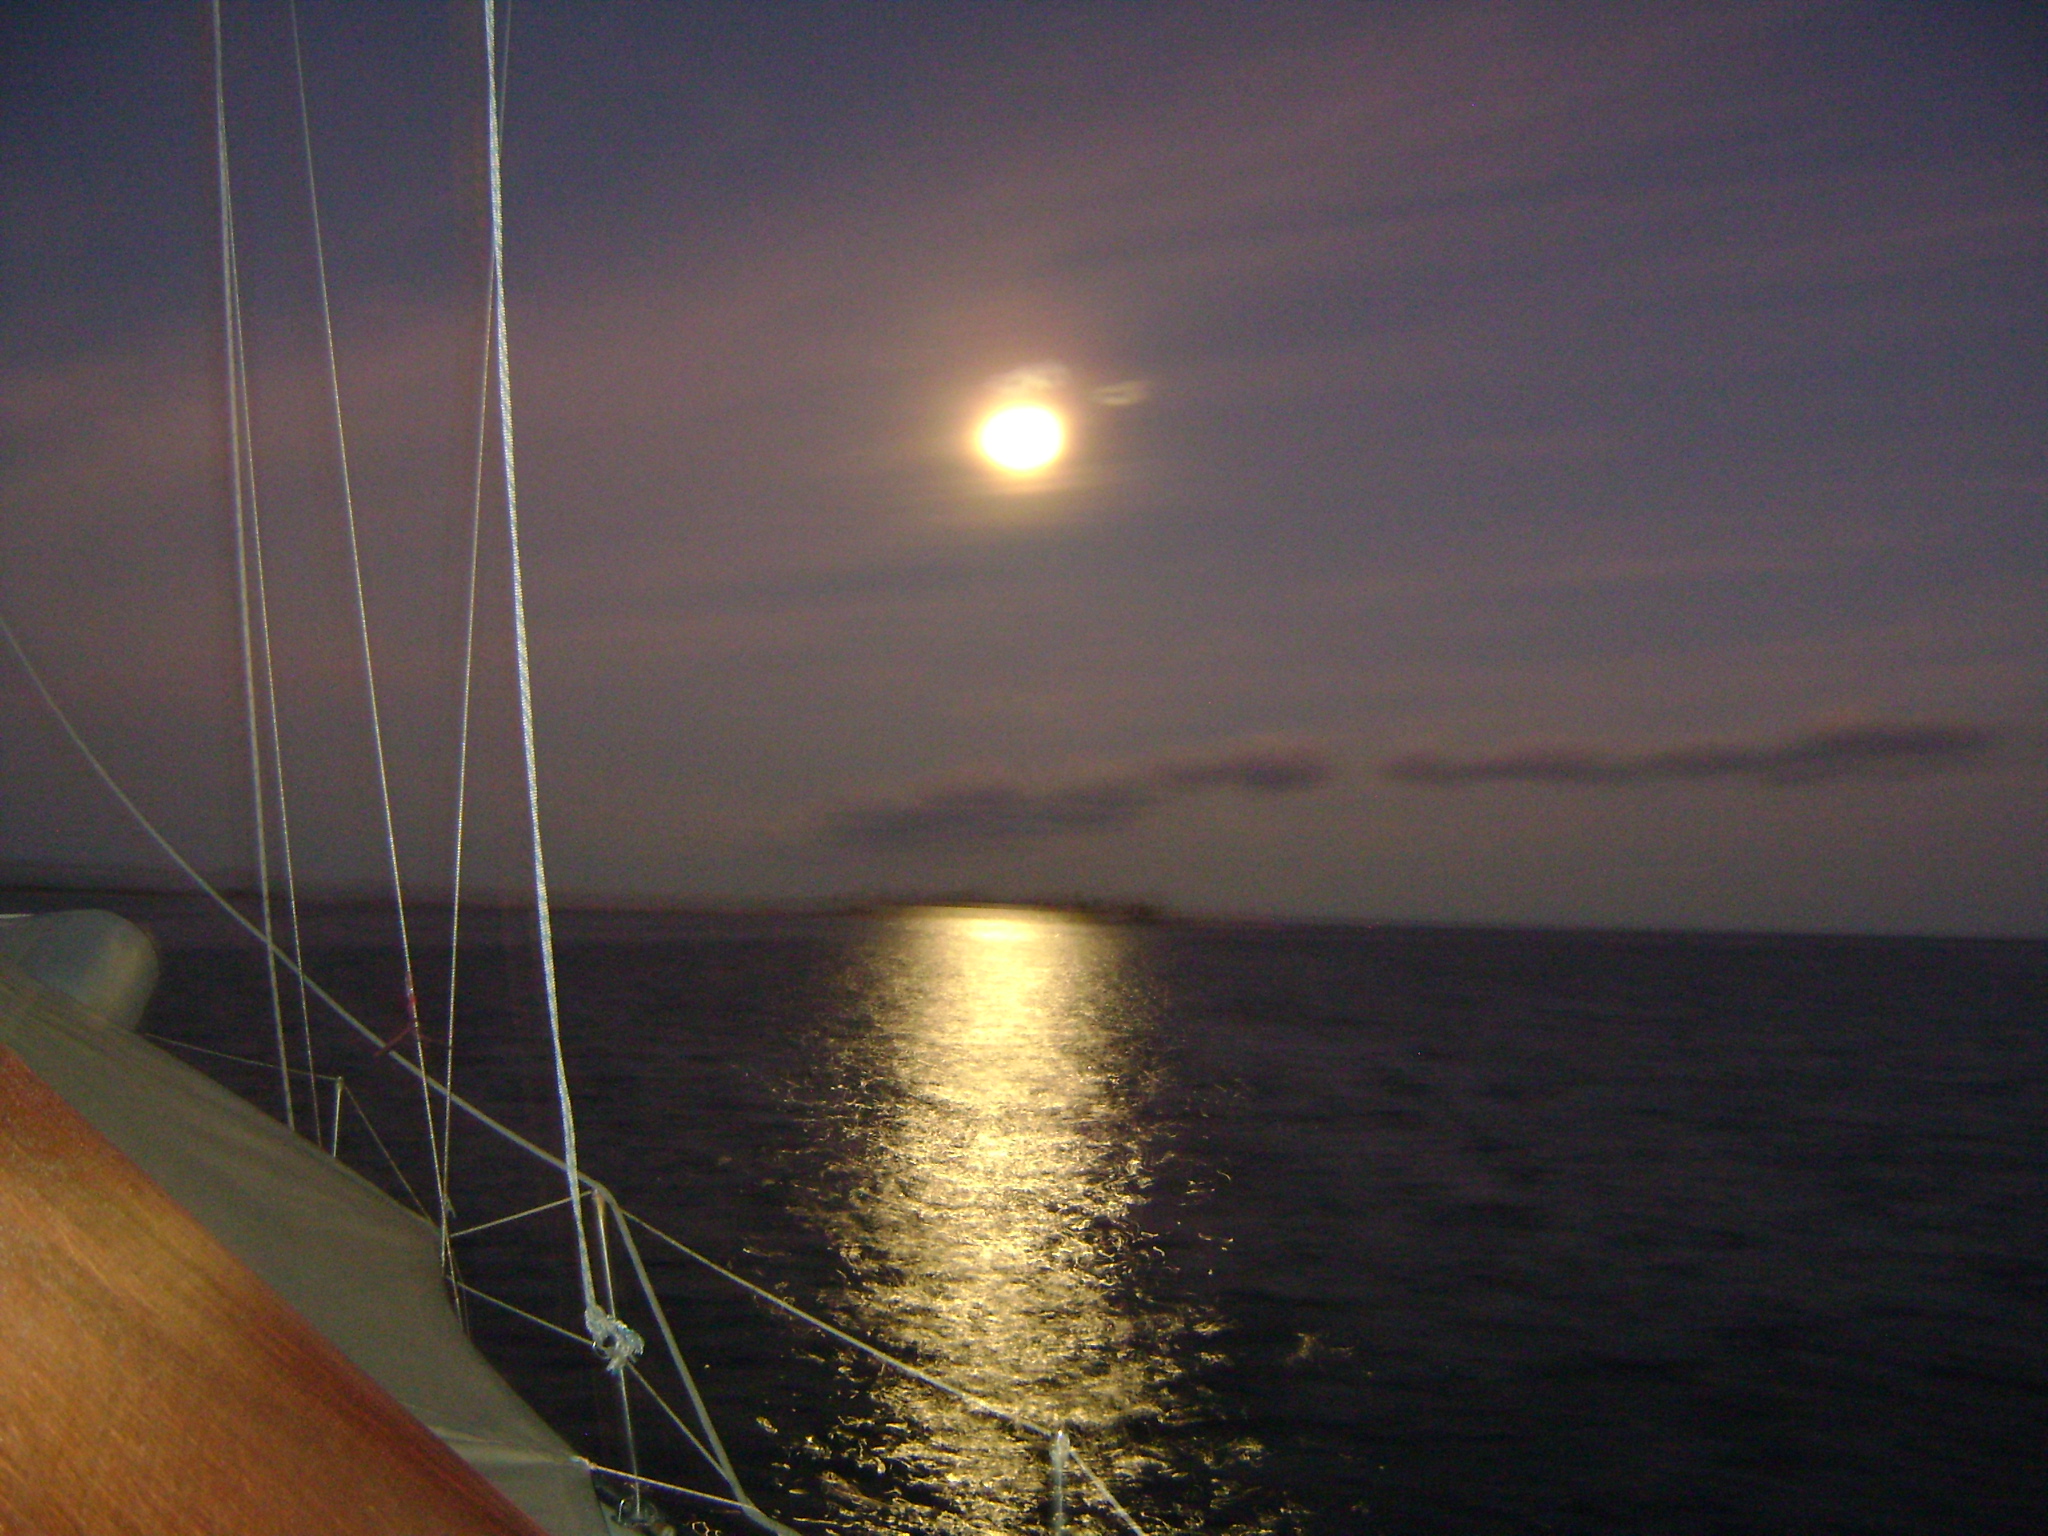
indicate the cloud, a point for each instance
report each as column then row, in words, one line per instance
column 1129, row 392
column 1814, row 757
column 1032, row 379
column 995, row 808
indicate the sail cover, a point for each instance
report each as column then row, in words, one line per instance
column 360, row 1268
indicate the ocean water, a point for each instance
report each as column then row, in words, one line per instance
column 1295, row 1228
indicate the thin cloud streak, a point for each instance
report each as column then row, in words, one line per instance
column 1813, row 757
column 993, row 808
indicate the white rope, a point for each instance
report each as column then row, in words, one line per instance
column 619, row 1344
column 543, row 913
column 355, row 561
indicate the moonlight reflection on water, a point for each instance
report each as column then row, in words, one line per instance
column 987, row 1183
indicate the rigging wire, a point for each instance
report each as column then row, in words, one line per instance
column 627, row 1347
column 284, row 818
column 675, row 1355
column 241, row 471
column 655, row 1482
column 249, row 561
column 499, row 1221
column 476, row 508
column 267, row 664
column 476, row 521
column 268, row 660
column 355, row 561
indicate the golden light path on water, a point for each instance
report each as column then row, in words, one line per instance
column 985, row 1223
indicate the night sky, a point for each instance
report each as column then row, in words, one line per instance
column 1530, row 463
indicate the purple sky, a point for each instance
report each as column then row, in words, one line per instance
column 1577, row 464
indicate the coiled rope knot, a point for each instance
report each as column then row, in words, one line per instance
column 610, row 1337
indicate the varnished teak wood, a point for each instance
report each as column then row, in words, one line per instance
column 151, row 1385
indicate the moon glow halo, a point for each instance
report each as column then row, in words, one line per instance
column 1021, row 439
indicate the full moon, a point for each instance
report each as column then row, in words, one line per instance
column 1022, row 439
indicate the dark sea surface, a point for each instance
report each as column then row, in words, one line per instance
column 1296, row 1228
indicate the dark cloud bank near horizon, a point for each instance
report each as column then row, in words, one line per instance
column 1109, row 800
column 997, row 807
column 1812, row 757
